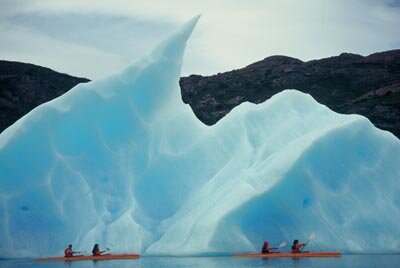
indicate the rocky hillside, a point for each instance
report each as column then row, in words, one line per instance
column 25, row 86
column 347, row 83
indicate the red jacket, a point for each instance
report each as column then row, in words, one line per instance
column 68, row 253
column 296, row 248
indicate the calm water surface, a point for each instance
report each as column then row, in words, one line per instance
column 346, row 261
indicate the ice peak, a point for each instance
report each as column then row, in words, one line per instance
column 153, row 81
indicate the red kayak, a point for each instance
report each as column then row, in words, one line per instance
column 93, row 258
column 290, row 255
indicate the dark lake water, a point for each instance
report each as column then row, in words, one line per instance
column 346, row 261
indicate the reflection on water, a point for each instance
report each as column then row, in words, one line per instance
column 346, row 261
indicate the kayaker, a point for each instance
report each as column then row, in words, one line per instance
column 68, row 252
column 96, row 251
column 296, row 247
column 266, row 249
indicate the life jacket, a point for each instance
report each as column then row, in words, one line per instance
column 265, row 248
column 296, row 248
column 68, row 253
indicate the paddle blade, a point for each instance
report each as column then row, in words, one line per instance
column 312, row 236
column 283, row 244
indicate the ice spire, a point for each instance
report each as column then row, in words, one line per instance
column 151, row 92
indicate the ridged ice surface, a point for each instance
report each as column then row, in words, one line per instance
column 123, row 162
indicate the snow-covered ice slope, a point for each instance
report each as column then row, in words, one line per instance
column 123, row 162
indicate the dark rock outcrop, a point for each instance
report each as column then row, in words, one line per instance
column 24, row 86
column 347, row 83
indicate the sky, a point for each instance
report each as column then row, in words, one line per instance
column 96, row 38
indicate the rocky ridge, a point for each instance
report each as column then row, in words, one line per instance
column 24, row 86
column 347, row 83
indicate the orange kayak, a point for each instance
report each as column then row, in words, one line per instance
column 93, row 258
column 290, row 255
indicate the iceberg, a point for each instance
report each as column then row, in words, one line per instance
column 123, row 162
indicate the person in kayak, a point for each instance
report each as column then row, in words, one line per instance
column 68, row 252
column 266, row 249
column 96, row 251
column 296, row 247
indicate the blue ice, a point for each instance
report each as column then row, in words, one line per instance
column 123, row 162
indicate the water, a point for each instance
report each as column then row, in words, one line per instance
column 346, row 261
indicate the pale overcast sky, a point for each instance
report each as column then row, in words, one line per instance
column 94, row 38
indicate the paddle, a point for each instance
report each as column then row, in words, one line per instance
column 107, row 249
column 311, row 237
column 282, row 245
